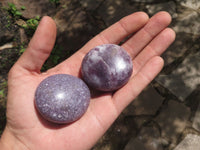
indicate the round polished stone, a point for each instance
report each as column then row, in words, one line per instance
column 107, row 67
column 62, row 98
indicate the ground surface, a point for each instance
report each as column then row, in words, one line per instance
column 167, row 113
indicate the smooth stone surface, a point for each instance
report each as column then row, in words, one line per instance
column 169, row 6
column 192, row 4
column 185, row 79
column 173, row 120
column 188, row 18
column 147, row 103
column 107, row 67
column 191, row 142
column 147, row 139
column 184, row 42
column 62, row 98
column 196, row 122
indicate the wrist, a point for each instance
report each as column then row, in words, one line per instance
column 10, row 142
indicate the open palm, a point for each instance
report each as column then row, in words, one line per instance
column 149, row 38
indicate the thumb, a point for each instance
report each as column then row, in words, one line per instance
column 39, row 47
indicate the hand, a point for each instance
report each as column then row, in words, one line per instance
column 25, row 129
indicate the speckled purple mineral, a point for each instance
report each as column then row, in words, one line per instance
column 107, row 67
column 62, row 98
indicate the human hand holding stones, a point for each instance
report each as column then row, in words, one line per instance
column 35, row 120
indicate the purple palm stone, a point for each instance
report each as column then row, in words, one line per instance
column 107, row 67
column 62, row 98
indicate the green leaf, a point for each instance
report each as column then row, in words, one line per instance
column 55, row 59
column 18, row 13
column 35, row 22
column 11, row 5
column 37, row 18
column 2, row 92
column 22, row 50
column 23, row 8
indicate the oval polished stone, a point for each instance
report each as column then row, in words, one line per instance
column 107, row 67
column 62, row 98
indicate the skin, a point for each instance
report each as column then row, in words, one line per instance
column 25, row 129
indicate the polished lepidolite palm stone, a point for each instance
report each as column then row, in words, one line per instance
column 62, row 98
column 107, row 67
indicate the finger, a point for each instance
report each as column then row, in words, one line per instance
column 39, row 47
column 135, row 86
column 154, row 26
column 113, row 34
column 155, row 48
